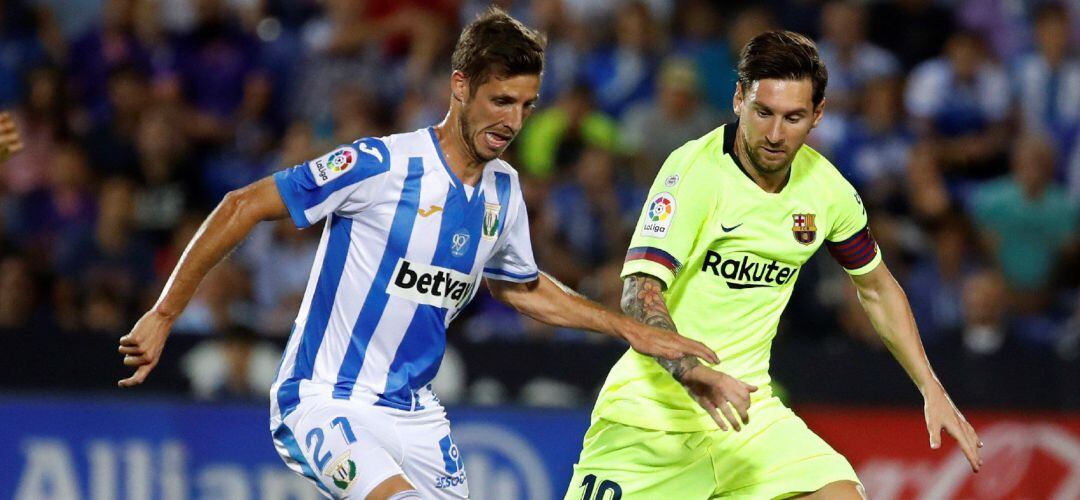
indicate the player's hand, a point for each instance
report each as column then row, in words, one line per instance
column 941, row 413
column 142, row 347
column 718, row 392
column 652, row 341
column 10, row 142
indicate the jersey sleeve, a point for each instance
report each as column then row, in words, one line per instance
column 849, row 239
column 514, row 260
column 674, row 213
column 314, row 189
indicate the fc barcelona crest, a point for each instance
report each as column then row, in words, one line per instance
column 805, row 230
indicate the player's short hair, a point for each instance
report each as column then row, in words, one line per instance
column 496, row 44
column 783, row 55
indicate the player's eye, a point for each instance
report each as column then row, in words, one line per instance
column 794, row 119
column 764, row 114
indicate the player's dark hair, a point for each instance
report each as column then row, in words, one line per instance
column 1050, row 11
column 783, row 55
column 496, row 44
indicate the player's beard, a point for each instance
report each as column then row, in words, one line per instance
column 758, row 163
column 468, row 133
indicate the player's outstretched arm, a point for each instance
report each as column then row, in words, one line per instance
column 10, row 142
column 715, row 391
column 887, row 307
column 225, row 228
column 551, row 302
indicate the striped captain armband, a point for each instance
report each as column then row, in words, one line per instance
column 856, row 251
column 655, row 255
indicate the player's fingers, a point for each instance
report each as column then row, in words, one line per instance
column 130, row 350
column 133, row 360
column 700, row 350
column 935, row 436
column 730, row 415
column 967, row 445
column 128, row 340
column 742, row 405
column 137, row 378
column 710, row 408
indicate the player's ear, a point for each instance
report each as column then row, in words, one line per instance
column 459, row 86
column 737, row 99
column 819, row 113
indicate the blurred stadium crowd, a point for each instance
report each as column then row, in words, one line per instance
column 958, row 121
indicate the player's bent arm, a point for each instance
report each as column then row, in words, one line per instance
column 549, row 301
column 716, row 392
column 643, row 300
column 219, row 234
column 889, row 311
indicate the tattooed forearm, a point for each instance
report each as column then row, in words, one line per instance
column 643, row 300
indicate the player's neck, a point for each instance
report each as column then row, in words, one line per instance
column 455, row 150
column 770, row 182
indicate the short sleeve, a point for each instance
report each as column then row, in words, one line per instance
column 849, row 240
column 316, row 188
column 514, row 261
column 674, row 213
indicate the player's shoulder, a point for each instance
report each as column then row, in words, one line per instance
column 703, row 150
column 817, row 171
column 500, row 165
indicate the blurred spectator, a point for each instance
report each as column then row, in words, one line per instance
column 1047, row 83
column 278, row 289
column 590, row 215
column 111, row 142
column 963, row 94
column 1028, row 220
column 872, row 148
column 621, row 74
column 651, row 131
column 167, row 185
column 1004, row 24
column 935, row 285
column 22, row 297
column 214, row 69
column 103, row 49
column 852, row 61
column 22, row 50
column 913, row 30
column 42, row 121
column 236, row 366
column 572, row 123
column 59, row 210
column 959, row 104
column 108, row 263
column 567, row 39
column 699, row 37
column 985, row 320
column 223, row 300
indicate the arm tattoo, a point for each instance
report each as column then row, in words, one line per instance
column 642, row 300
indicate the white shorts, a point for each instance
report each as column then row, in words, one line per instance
column 349, row 448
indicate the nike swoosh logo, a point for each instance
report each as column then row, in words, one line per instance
column 732, row 228
column 432, row 209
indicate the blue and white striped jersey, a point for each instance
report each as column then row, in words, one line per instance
column 402, row 252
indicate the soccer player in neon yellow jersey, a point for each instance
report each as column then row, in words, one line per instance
column 729, row 222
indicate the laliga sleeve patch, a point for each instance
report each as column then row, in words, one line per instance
column 333, row 165
column 658, row 215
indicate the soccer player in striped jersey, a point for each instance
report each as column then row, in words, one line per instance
column 730, row 221
column 413, row 221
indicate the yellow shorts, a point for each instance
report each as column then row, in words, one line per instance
column 774, row 456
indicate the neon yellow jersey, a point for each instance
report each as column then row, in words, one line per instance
column 729, row 254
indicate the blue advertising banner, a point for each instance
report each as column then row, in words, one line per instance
column 73, row 449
